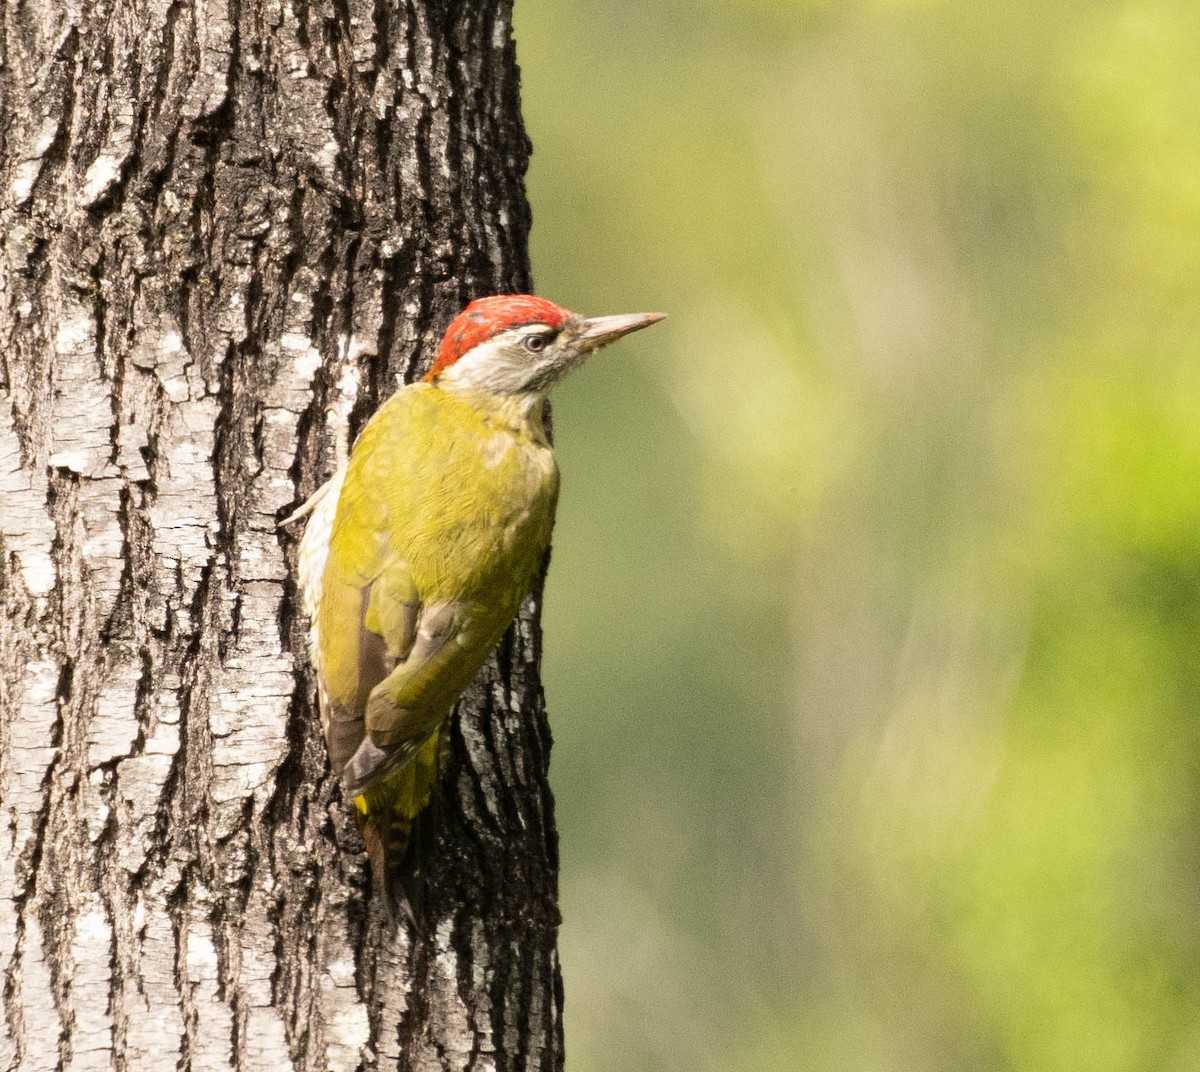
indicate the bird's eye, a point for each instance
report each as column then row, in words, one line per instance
column 535, row 343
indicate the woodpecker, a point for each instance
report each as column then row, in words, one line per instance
column 418, row 552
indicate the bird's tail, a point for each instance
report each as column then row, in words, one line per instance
column 387, row 836
column 390, row 814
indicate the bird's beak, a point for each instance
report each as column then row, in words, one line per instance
column 601, row 330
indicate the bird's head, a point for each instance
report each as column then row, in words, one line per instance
column 515, row 345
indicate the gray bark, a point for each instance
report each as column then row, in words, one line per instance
column 225, row 228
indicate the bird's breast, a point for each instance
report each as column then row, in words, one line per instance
column 486, row 520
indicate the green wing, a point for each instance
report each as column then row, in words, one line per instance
column 387, row 645
column 373, row 628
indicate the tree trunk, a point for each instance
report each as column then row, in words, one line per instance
column 226, row 227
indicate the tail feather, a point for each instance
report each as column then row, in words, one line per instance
column 387, row 835
column 393, row 825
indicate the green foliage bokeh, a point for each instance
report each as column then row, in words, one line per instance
column 873, row 625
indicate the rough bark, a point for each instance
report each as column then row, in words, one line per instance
column 224, row 228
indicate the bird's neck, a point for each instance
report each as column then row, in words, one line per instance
column 522, row 414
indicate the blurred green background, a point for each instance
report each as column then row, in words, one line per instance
column 873, row 625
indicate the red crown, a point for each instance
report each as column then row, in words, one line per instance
column 486, row 317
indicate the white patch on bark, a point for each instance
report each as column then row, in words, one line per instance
column 210, row 87
column 337, row 413
column 455, row 1040
column 184, row 511
column 248, row 720
column 347, row 1029
column 26, row 173
column 113, row 726
column 92, row 808
column 91, row 983
column 482, row 769
column 100, row 178
column 150, row 1001
column 24, row 522
column 392, row 983
column 481, row 979
column 106, row 169
column 303, row 95
column 132, row 443
column 265, row 1048
column 29, row 724
column 212, row 1033
column 162, row 351
column 82, row 425
column 306, row 358
column 501, row 33
column 142, row 778
column 41, row 1027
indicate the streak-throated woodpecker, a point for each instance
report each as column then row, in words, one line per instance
column 418, row 552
